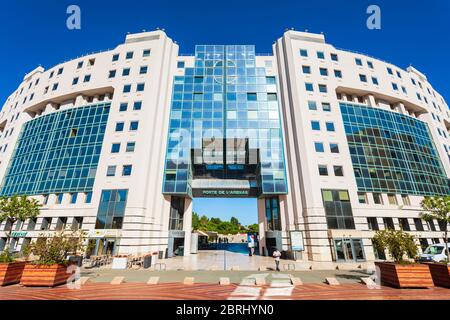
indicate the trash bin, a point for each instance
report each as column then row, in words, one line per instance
column 147, row 261
column 161, row 255
column 181, row 251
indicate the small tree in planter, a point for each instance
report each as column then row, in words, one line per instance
column 403, row 272
column 438, row 207
column 12, row 210
column 49, row 269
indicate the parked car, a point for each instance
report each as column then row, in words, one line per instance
column 434, row 253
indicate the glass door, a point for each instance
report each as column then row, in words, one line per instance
column 349, row 250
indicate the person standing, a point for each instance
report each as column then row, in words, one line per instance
column 277, row 255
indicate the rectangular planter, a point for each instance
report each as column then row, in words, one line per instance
column 44, row 276
column 440, row 274
column 405, row 276
column 11, row 273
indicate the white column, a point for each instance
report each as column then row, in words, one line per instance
column 187, row 226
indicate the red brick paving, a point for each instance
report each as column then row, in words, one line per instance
column 176, row 291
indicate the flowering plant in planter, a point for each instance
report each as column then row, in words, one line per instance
column 404, row 272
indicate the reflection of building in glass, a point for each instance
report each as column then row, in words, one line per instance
column 334, row 145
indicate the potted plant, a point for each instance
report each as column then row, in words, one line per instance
column 49, row 269
column 401, row 273
column 438, row 208
column 12, row 210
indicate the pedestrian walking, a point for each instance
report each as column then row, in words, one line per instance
column 277, row 255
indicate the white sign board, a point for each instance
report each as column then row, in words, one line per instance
column 119, row 263
column 297, row 241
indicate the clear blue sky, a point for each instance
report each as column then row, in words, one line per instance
column 413, row 32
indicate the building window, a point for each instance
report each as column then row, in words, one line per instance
column 45, row 202
column 392, row 199
column 146, row 53
column 334, row 148
column 120, row 126
column 338, row 74
column 377, row 198
column 134, row 125
column 315, row 125
column 334, row 57
column 388, row 224
column 87, row 78
column 73, row 198
column 127, row 88
column 46, row 224
column 330, row 126
column 75, row 81
column 358, row 62
column 180, row 65
column 338, row 209
column 375, row 81
column 419, row 225
column 323, row 88
column 111, row 210
column 394, row 86
column 405, row 199
column 370, row 64
column 303, row 52
column 273, row 213
column 125, row 72
column 177, row 205
column 312, row 105
column 323, row 72
column 140, row 87
column 115, row 148
column 88, row 197
column 319, row 147
column 431, row 225
column 338, row 171
column 123, row 107
column 323, row 170
column 309, row 87
column 61, row 224
column 55, row 87
column 362, row 197
column 137, row 105
column 362, row 78
column 404, row 224
column 373, row 223
column 32, row 224
column 91, row 62
column 129, row 55
column 320, row 55
column 306, row 69
column 111, row 171
column 115, row 57
column 326, row 107
column 143, row 70
column 59, row 198
column 389, row 70
column 252, row 97
column 131, row 146
column 126, row 170
column 77, row 223
column 80, row 65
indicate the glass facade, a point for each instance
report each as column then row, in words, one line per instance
column 58, row 152
column 392, row 153
column 225, row 123
column 338, row 209
column 111, row 210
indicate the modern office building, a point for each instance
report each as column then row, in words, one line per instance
column 333, row 144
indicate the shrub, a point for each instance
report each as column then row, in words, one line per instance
column 6, row 257
column 398, row 243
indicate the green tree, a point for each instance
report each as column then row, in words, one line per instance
column 195, row 221
column 397, row 242
column 253, row 228
column 17, row 208
column 234, row 221
column 438, row 207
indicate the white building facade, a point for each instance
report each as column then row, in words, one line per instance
column 333, row 144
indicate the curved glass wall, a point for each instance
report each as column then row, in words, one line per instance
column 392, row 153
column 225, row 123
column 58, row 152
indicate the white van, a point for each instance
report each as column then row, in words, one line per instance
column 435, row 252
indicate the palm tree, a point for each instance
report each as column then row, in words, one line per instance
column 438, row 207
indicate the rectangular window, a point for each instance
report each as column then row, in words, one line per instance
column 272, row 97
column 91, row 62
column 129, row 55
column 362, row 78
column 338, row 209
column 323, row 72
column 373, row 223
column 323, row 170
column 252, row 97
column 309, row 87
column 115, row 148
column 389, row 70
column 419, row 225
column 405, row 199
column 146, row 53
column 338, row 171
column 73, row 198
column 88, row 197
column 134, row 125
column 404, row 224
column 180, row 64
column 111, row 210
column 323, row 88
column 306, row 69
column 326, row 107
column 80, row 65
column 115, row 57
column 394, row 86
column 388, row 224
column 87, row 78
column 377, row 198
column 75, row 81
column 55, row 87
column 431, row 225
column 338, row 74
column 123, row 107
column 177, row 205
column 143, row 70
column 312, row 105
column 358, row 62
column 330, row 127
column 111, row 171
column 120, row 126
column 140, row 87
column 318, row 146
column 273, row 213
column 315, row 125
column 112, row 74
column 137, row 105
column 320, row 55
column 127, row 88
column 126, row 72
column 32, row 224
column 59, row 198
column 126, row 170
column 131, row 146
column 77, row 223
column 46, row 224
column 375, row 81
column 362, row 197
column 303, row 52
column 392, row 199
column 334, row 148
column 334, row 57
column 370, row 64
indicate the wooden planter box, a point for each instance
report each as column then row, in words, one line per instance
column 405, row 276
column 11, row 273
column 440, row 274
column 44, row 276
